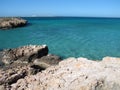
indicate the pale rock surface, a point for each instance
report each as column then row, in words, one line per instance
column 75, row 74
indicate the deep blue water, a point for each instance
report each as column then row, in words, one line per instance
column 93, row 38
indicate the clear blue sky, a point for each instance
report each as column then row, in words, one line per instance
column 94, row 8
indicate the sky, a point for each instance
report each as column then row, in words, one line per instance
column 81, row 8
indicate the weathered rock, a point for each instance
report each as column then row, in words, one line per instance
column 24, row 54
column 75, row 74
column 7, row 23
column 20, row 62
column 1, row 63
column 2, row 87
column 47, row 61
column 11, row 73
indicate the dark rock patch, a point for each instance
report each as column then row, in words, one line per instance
column 46, row 61
column 24, row 54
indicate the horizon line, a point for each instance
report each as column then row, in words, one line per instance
column 62, row 16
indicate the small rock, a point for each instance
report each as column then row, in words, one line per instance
column 47, row 61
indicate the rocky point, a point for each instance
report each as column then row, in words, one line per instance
column 10, row 22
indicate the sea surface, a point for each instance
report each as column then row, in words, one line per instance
column 92, row 38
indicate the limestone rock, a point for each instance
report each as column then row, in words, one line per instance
column 2, row 87
column 24, row 61
column 47, row 61
column 7, row 23
column 75, row 74
column 11, row 73
column 24, row 54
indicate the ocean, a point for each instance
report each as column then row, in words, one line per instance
column 92, row 38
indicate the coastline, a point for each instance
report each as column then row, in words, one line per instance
column 68, row 37
column 60, row 45
column 31, row 66
column 34, row 63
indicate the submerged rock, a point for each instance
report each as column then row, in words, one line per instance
column 75, row 74
column 7, row 23
column 24, row 54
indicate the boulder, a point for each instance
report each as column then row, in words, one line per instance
column 47, row 61
column 7, row 23
column 75, row 74
column 24, row 54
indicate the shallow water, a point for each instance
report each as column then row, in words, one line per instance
column 93, row 38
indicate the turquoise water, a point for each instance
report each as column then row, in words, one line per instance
column 93, row 38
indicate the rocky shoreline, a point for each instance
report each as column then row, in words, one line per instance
column 10, row 22
column 23, row 61
column 33, row 68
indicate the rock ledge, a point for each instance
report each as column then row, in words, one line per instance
column 75, row 74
